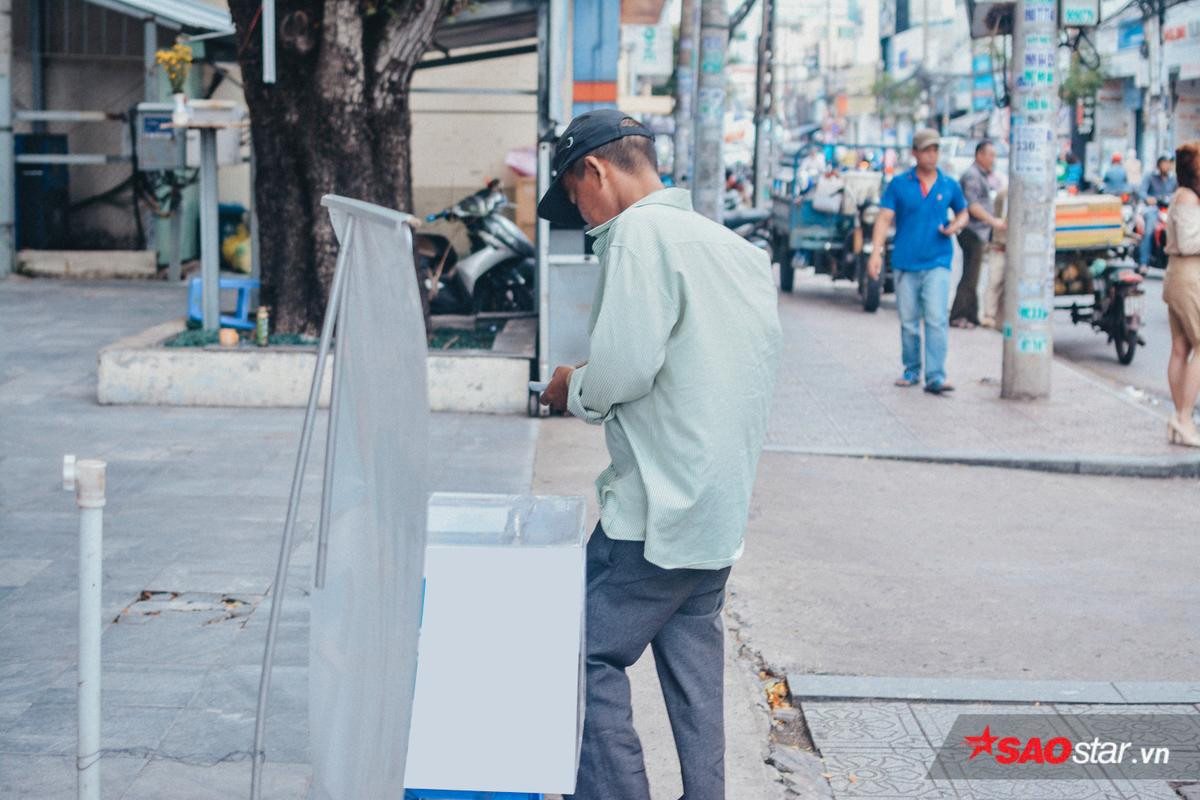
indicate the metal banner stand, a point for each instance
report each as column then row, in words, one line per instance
column 333, row 314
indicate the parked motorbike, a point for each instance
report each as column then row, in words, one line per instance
column 497, row 275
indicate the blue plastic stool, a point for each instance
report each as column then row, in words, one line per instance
column 240, row 317
column 443, row 794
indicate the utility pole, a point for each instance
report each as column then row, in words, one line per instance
column 685, row 92
column 7, row 162
column 1029, row 266
column 709, row 180
column 764, row 104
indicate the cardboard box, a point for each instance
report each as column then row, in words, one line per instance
column 499, row 689
column 526, row 200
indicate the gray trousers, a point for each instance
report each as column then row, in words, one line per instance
column 632, row 603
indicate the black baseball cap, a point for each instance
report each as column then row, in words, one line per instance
column 585, row 133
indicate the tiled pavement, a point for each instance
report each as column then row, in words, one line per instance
column 883, row 750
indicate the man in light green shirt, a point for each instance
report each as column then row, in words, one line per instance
column 684, row 344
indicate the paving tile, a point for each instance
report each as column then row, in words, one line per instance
column 53, row 729
column 209, row 735
column 964, row 689
column 162, row 685
column 40, row 777
column 169, row 639
column 17, row 571
column 1159, row 691
column 862, row 725
column 936, row 719
column 24, row 681
column 235, row 688
column 884, row 773
column 164, row 779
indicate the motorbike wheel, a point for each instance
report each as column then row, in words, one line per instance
column 1126, row 344
column 869, row 289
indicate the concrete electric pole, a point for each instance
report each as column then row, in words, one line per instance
column 685, row 92
column 764, row 103
column 7, row 166
column 1029, row 268
column 709, row 184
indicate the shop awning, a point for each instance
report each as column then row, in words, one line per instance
column 188, row 15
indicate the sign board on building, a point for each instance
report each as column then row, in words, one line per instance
column 1080, row 13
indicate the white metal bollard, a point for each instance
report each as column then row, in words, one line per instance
column 87, row 479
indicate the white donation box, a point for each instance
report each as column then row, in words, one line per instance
column 499, row 689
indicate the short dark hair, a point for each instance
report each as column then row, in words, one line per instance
column 1187, row 165
column 628, row 154
column 985, row 143
column 1161, row 159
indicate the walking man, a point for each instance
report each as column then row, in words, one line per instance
column 684, row 343
column 1158, row 186
column 977, row 186
column 920, row 201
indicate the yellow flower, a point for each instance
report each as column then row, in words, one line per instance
column 176, row 61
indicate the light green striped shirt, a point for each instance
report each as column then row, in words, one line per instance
column 685, row 342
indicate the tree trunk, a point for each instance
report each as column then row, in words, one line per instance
column 336, row 121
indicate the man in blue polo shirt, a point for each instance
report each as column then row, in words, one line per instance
column 920, row 201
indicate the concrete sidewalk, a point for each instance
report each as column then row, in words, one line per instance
column 835, row 397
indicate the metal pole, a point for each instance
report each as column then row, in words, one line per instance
column 7, row 165
column 764, row 101
column 268, row 40
column 149, row 49
column 1029, row 268
column 37, row 63
column 87, row 479
column 710, row 117
column 175, row 266
column 339, row 358
column 685, row 92
column 289, row 525
column 210, row 264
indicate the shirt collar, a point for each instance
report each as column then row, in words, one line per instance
column 670, row 196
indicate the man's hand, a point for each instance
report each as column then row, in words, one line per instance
column 999, row 224
column 875, row 264
column 555, row 395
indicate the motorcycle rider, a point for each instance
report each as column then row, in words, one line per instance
column 1157, row 187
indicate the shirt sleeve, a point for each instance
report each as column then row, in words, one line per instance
column 973, row 189
column 957, row 201
column 629, row 340
column 1147, row 189
column 888, row 200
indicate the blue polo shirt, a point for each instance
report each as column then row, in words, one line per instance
column 918, row 245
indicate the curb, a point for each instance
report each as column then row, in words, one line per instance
column 1111, row 465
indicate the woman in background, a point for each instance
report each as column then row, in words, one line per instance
column 1181, row 292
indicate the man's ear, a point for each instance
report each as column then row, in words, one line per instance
column 596, row 167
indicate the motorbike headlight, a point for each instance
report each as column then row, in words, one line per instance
column 870, row 214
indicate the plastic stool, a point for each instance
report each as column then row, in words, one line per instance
column 443, row 794
column 240, row 317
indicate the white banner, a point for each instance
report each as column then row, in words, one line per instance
column 365, row 621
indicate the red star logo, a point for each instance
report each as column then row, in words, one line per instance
column 982, row 743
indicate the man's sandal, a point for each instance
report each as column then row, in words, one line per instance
column 905, row 382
